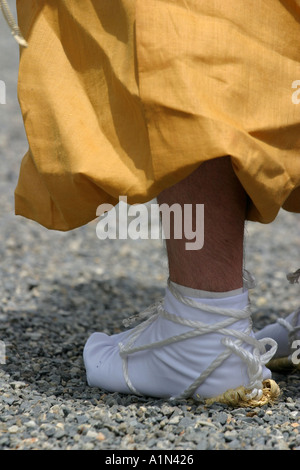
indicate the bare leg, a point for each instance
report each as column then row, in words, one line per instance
column 218, row 266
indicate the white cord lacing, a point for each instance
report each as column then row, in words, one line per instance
column 255, row 360
column 14, row 28
column 292, row 328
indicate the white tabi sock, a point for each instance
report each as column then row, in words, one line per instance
column 195, row 344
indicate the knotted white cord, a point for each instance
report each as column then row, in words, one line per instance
column 255, row 360
column 14, row 28
column 293, row 328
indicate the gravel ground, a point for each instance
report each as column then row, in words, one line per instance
column 58, row 288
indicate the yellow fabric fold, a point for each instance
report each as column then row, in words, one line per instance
column 127, row 97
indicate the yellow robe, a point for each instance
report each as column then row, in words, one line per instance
column 127, row 97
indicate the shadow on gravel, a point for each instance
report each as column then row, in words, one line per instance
column 45, row 342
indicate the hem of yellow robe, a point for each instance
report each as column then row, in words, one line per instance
column 239, row 397
column 60, row 201
column 66, row 202
column 34, row 201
